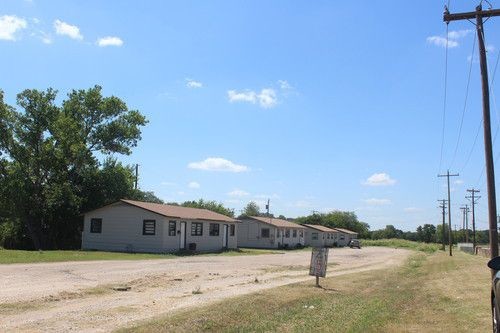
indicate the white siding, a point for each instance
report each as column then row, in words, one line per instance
column 250, row 235
column 122, row 231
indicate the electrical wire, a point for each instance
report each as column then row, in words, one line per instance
column 444, row 98
column 465, row 102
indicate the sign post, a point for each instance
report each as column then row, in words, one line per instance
column 319, row 261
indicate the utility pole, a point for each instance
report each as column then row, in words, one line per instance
column 450, row 241
column 443, row 207
column 466, row 210
column 473, row 198
column 136, row 175
column 479, row 14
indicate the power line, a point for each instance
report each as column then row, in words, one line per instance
column 444, row 97
column 465, row 102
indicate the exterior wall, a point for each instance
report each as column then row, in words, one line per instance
column 325, row 239
column 345, row 238
column 250, row 235
column 122, row 231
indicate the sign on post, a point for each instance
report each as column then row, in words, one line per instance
column 319, row 261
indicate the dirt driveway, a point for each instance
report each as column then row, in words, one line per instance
column 79, row 296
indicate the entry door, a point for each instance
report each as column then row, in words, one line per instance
column 182, row 235
column 225, row 235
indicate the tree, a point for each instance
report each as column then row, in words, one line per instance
column 47, row 155
column 214, row 206
column 338, row 219
column 251, row 209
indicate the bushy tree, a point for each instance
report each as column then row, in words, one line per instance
column 337, row 219
column 210, row 205
column 47, row 158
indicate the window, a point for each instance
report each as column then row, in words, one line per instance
column 214, row 229
column 149, row 227
column 232, row 230
column 278, row 233
column 96, row 226
column 287, row 233
column 172, row 228
column 314, row 236
column 264, row 232
column 196, row 229
column 341, row 237
column 301, row 233
column 294, row 233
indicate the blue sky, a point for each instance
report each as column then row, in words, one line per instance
column 317, row 106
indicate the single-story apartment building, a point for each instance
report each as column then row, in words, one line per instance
column 136, row 226
column 345, row 236
column 269, row 232
column 321, row 236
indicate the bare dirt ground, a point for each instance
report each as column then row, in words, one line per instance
column 79, row 296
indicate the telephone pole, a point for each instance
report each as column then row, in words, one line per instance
column 136, row 175
column 450, row 241
column 466, row 210
column 473, row 198
column 443, row 207
column 479, row 14
column 464, row 213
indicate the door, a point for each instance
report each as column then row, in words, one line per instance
column 182, row 236
column 225, row 236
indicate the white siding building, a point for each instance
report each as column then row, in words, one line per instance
column 321, row 236
column 268, row 232
column 345, row 236
column 135, row 226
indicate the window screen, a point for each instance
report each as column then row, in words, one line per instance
column 149, row 227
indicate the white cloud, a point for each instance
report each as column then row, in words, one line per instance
column 284, row 85
column 65, row 29
column 193, row 185
column 109, row 41
column 238, row 193
column 378, row 202
column 459, row 181
column 490, row 48
column 218, row 164
column 10, row 25
column 457, row 34
column 453, row 37
column 267, row 97
column 267, row 196
column 190, row 83
column 246, row 96
column 380, row 179
column 441, row 41
column 303, row 204
column 411, row 209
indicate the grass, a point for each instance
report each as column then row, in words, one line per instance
column 20, row 256
column 402, row 243
column 430, row 292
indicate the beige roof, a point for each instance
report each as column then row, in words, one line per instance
column 346, row 231
column 320, row 228
column 277, row 222
column 180, row 212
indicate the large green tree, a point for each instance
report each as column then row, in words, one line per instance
column 47, row 156
column 338, row 219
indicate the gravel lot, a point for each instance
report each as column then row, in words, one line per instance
column 59, row 297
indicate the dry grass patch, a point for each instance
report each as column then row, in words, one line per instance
column 431, row 292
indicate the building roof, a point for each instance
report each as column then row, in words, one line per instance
column 346, row 231
column 179, row 211
column 277, row 222
column 320, row 228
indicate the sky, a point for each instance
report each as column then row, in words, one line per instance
column 317, row 106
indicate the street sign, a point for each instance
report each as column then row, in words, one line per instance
column 319, row 261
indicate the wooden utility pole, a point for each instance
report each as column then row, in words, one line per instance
column 473, row 198
column 450, row 240
column 466, row 218
column 443, row 207
column 479, row 14
column 136, row 175
column 464, row 213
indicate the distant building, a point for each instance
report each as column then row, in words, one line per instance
column 321, row 236
column 269, row 232
column 345, row 236
column 135, row 226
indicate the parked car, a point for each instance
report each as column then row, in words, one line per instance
column 354, row 243
column 495, row 294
